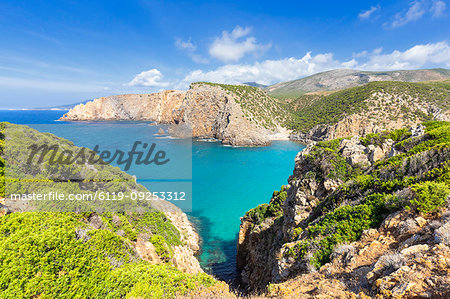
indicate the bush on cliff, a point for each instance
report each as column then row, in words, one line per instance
column 366, row 197
column 51, row 255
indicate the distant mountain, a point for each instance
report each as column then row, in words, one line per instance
column 345, row 78
column 254, row 84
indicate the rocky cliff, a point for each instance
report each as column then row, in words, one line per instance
column 359, row 216
column 153, row 107
column 236, row 115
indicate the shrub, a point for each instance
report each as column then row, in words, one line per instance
column 47, row 255
column 162, row 249
column 430, row 196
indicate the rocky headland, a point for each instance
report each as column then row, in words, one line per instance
column 204, row 111
column 360, row 217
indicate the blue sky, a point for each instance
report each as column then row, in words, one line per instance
column 60, row 52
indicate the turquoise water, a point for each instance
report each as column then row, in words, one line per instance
column 226, row 182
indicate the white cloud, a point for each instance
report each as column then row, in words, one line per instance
column 415, row 12
column 230, row 47
column 272, row 71
column 268, row 71
column 185, row 45
column 150, row 78
column 437, row 8
column 365, row 14
column 190, row 48
column 437, row 54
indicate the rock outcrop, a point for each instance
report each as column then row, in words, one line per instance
column 152, row 107
column 204, row 111
column 323, row 234
column 401, row 259
column 212, row 112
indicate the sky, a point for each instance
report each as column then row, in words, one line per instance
column 61, row 52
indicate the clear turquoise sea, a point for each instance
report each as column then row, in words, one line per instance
column 226, row 181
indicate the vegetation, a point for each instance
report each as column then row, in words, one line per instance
column 2, row 161
column 329, row 109
column 273, row 209
column 366, row 197
column 50, row 254
column 330, row 81
column 57, row 255
column 430, row 196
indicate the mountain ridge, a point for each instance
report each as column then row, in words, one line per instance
column 344, row 78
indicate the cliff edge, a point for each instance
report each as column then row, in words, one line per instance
column 359, row 216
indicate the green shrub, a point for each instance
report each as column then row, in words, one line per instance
column 162, row 249
column 430, row 196
column 56, row 255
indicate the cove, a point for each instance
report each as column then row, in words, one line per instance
column 226, row 181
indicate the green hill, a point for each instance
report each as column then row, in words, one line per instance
column 388, row 100
column 345, row 78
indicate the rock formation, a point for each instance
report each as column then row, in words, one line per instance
column 204, row 111
column 153, row 107
column 350, row 221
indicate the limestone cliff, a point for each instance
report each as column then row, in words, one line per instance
column 214, row 112
column 153, row 107
column 238, row 116
column 360, row 216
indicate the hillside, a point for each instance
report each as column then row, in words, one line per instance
column 258, row 107
column 346, row 78
column 82, row 249
column 366, row 109
column 358, row 217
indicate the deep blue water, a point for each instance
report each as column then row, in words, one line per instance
column 226, row 181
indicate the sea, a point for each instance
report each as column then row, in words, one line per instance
column 226, row 181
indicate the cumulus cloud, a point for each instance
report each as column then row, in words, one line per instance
column 365, row 14
column 416, row 57
column 150, row 78
column 438, row 8
column 272, row 71
column 416, row 11
column 268, row 71
column 232, row 46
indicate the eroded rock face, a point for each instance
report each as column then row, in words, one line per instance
column 384, row 263
column 203, row 111
column 264, row 246
column 153, row 107
column 212, row 112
